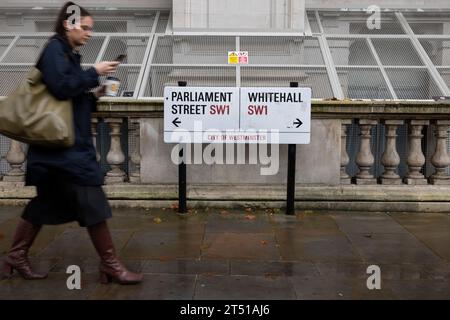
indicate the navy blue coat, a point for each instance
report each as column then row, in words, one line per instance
column 64, row 77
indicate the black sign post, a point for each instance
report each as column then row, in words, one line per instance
column 182, row 206
column 292, row 153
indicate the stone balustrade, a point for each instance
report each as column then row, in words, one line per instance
column 333, row 120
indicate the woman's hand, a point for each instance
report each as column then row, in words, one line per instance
column 100, row 92
column 106, row 67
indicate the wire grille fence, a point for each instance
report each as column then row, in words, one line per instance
column 273, row 61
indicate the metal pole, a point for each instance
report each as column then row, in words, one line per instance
column 292, row 151
column 182, row 207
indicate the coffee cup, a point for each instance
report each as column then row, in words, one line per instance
column 112, row 87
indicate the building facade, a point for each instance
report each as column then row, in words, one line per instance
column 340, row 49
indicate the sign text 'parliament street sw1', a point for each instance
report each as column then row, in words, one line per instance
column 237, row 115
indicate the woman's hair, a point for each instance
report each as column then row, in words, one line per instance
column 63, row 15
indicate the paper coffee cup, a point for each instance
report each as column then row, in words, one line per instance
column 112, row 87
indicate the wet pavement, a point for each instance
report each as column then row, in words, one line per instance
column 245, row 254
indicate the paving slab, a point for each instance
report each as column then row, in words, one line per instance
column 244, row 288
column 187, row 266
column 154, row 287
column 150, row 245
column 256, row 246
column 392, row 248
column 244, row 254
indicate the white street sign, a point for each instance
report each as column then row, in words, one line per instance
column 237, row 115
column 287, row 110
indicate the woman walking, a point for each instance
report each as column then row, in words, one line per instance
column 69, row 180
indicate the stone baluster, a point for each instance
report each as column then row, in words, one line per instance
column 390, row 158
column 440, row 159
column 345, row 178
column 94, row 122
column 115, row 157
column 416, row 158
column 364, row 158
column 15, row 158
column 135, row 158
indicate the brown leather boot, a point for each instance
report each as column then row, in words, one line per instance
column 17, row 258
column 111, row 269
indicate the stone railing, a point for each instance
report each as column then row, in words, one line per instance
column 325, row 161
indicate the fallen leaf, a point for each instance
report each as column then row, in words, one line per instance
column 164, row 258
column 248, row 209
column 208, row 274
column 174, row 206
column 157, row 220
column 263, row 242
column 271, row 274
column 164, row 209
column 250, row 217
column 224, row 212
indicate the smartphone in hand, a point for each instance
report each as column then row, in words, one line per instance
column 120, row 58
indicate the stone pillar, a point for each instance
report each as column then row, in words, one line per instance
column 440, row 159
column 390, row 158
column 416, row 158
column 364, row 158
column 135, row 158
column 115, row 157
column 94, row 122
column 345, row 178
column 15, row 158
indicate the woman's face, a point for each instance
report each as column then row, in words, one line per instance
column 79, row 34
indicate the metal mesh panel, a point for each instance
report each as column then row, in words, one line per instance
column 4, row 43
column 11, row 77
column 26, row 50
column 91, row 50
column 138, row 21
column 282, row 50
column 397, row 52
column 128, row 78
column 131, row 145
column 445, row 73
column 112, row 25
column 438, row 50
column 161, row 76
column 351, row 52
column 357, row 23
column 162, row 23
column 316, row 78
column 413, row 83
column 363, row 83
column 427, row 28
column 193, row 50
column 134, row 48
column 313, row 22
column 4, row 147
column 427, row 22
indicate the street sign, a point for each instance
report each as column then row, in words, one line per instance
column 237, row 115
column 287, row 110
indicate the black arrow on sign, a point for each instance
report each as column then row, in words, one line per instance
column 176, row 122
column 298, row 122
